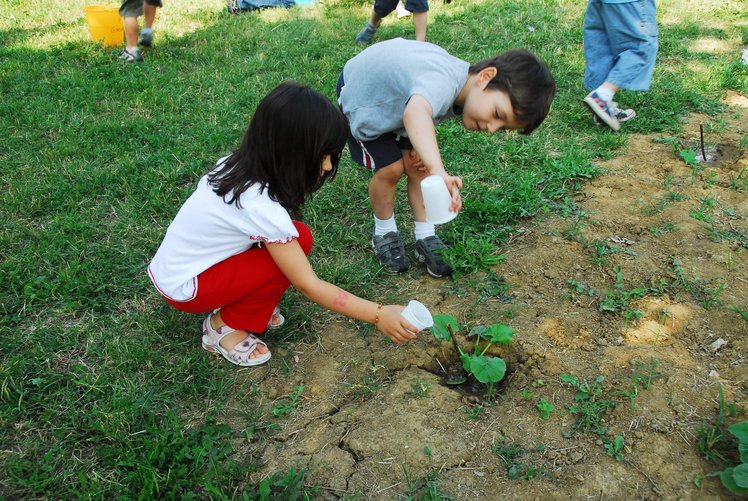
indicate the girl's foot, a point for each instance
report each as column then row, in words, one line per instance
column 237, row 346
column 276, row 320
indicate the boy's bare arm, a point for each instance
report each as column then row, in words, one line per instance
column 422, row 134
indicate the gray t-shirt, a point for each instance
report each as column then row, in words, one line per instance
column 380, row 81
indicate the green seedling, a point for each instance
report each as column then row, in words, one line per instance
column 713, row 442
column 735, row 478
column 618, row 299
column 740, row 182
column 424, row 489
column 526, row 394
column 545, row 408
column 661, row 229
column 511, row 456
column 700, row 289
column 287, row 406
column 614, row 447
column 705, row 210
column 743, row 314
column 588, row 407
column 418, row 389
column 488, row 370
column 476, row 412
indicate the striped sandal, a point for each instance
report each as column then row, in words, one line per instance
column 239, row 354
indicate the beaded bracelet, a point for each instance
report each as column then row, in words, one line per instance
column 376, row 319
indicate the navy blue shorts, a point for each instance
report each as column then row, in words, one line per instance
column 384, row 7
column 377, row 153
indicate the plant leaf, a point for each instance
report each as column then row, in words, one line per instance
column 440, row 327
column 466, row 359
column 740, row 474
column 487, row 369
column 729, row 481
column 569, row 379
column 481, row 331
column 501, row 333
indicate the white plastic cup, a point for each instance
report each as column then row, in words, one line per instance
column 417, row 314
column 437, row 199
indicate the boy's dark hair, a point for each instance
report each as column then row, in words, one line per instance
column 292, row 130
column 527, row 80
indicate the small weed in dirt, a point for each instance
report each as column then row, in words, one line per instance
column 511, row 456
column 424, row 489
column 661, row 229
column 705, row 210
column 418, row 389
column 471, row 255
column 287, row 406
column 740, row 183
column 730, row 235
column 618, row 299
column 545, row 408
column 700, row 289
column 588, row 407
column 476, row 412
column 603, row 249
column 663, row 202
column 283, row 484
column 526, row 394
column 743, row 314
column 714, row 443
column 642, row 377
column 370, row 383
column 614, row 447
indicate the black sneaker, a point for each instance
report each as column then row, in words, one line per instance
column 146, row 39
column 390, row 251
column 131, row 56
column 428, row 251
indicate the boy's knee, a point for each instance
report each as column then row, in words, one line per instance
column 305, row 237
column 391, row 173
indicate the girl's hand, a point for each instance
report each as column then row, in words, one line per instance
column 416, row 162
column 454, row 184
column 394, row 326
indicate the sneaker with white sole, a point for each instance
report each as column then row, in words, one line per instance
column 429, row 252
column 366, row 35
column 390, row 251
column 131, row 56
column 602, row 110
column 621, row 115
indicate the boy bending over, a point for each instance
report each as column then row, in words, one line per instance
column 394, row 92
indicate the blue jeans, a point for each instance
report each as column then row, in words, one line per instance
column 620, row 43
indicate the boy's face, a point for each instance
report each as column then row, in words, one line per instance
column 487, row 109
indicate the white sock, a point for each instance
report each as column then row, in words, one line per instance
column 384, row 226
column 605, row 93
column 424, row 230
column 132, row 50
column 147, row 31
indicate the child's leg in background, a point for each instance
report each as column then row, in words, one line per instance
column 246, row 287
column 130, row 10
column 633, row 35
column 420, row 10
column 598, row 54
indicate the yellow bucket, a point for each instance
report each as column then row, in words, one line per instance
column 105, row 24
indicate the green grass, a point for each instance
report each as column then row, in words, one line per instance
column 103, row 388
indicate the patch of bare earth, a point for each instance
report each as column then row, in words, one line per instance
column 376, row 418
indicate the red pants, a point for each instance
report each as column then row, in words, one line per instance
column 246, row 287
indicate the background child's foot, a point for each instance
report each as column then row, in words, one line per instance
column 428, row 251
column 131, row 56
column 146, row 38
column 390, row 251
column 621, row 115
column 366, row 35
column 602, row 110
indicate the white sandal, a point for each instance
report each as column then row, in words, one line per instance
column 281, row 319
column 240, row 353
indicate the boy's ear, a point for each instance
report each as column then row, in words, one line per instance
column 484, row 76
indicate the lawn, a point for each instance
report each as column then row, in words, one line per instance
column 104, row 390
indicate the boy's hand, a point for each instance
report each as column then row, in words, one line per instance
column 454, row 185
column 394, row 326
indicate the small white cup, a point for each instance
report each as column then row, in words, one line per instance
column 437, row 200
column 417, row 314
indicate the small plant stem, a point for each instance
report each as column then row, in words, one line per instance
column 490, row 391
column 454, row 341
column 485, row 349
column 701, row 134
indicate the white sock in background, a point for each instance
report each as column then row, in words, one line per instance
column 424, row 230
column 605, row 93
column 384, row 226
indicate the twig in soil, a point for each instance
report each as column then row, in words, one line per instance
column 701, row 133
column 390, row 487
column 654, row 484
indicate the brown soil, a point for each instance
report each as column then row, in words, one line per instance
column 376, row 419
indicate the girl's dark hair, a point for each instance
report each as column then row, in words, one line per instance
column 527, row 80
column 292, row 130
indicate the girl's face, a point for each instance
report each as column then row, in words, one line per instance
column 326, row 166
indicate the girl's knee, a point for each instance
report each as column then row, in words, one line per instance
column 305, row 236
